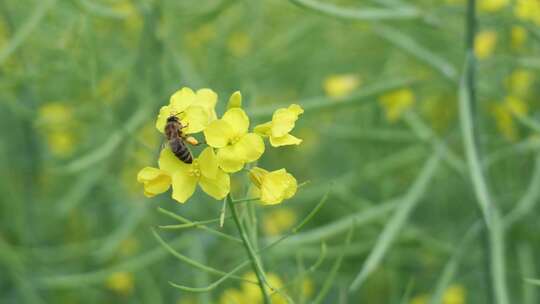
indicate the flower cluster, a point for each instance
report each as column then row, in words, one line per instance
column 230, row 146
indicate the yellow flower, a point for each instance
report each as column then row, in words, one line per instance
column 396, row 103
column 307, row 287
column 60, row 142
column 454, row 294
column 185, row 177
column 518, row 37
column 194, row 109
column 519, row 82
column 236, row 146
column 252, row 293
column 120, row 282
column 420, row 299
column 338, row 86
column 278, row 221
column 233, row 296
column 282, row 123
column 492, row 6
column 528, row 10
column 54, row 114
column 273, row 187
column 485, row 43
column 503, row 114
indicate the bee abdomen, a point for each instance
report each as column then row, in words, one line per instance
column 181, row 151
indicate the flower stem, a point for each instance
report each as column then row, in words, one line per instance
column 255, row 262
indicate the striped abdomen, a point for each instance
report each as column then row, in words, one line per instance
column 179, row 148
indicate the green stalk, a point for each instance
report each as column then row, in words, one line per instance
column 255, row 262
column 494, row 234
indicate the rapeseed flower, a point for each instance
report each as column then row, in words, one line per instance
column 396, row 103
column 528, row 10
column 492, row 6
column 184, row 178
column 454, row 294
column 278, row 221
column 251, row 294
column 120, row 282
column 339, row 86
column 518, row 37
column 485, row 43
column 194, row 109
column 236, row 146
column 504, row 116
column 273, row 187
column 519, row 82
column 283, row 121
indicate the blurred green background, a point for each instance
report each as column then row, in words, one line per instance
column 81, row 82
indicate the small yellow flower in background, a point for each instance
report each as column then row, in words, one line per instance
column 420, row 299
column 120, row 282
column 252, row 294
column 519, row 82
column 233, row 296
column 273, row 187
column 56, row 121
column 338, row 86
column 239, row 44
column 518, row 37
column 485, row 43
column 396, row 103
column 278, row 221
column 528, row 10
column 307, row 287
column 283, row 121
column 504, row 116
column 454, row 294
column 54, row 114
column 492, row 6
column 235, row 145
column 194, row 109
column 60, row 142
column 184, row 178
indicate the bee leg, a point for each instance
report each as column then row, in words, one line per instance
column 192, row 140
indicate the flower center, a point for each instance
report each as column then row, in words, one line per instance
column 233, row 140
column 194, row 170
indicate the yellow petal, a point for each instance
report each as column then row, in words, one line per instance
column 229, row 159
column 208, row 163
column 169, row 163
column 208, row 99
column 164, row 113
column 276, row 185
column 250, row 147
column 257, row 175
column 238, row 120
column 155, row 181
column 235, row 101
column 218, row 133
column 264, row 129
column 217, row 187
column 283, row 120
column 285, row 140
column 290, row 191
column 183, row 186
column 182, row 99
column 195, row 119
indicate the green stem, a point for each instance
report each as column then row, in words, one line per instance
column 255, row 262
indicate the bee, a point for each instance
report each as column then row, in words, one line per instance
column 177, row 139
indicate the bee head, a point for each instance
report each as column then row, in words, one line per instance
column 172, row 118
